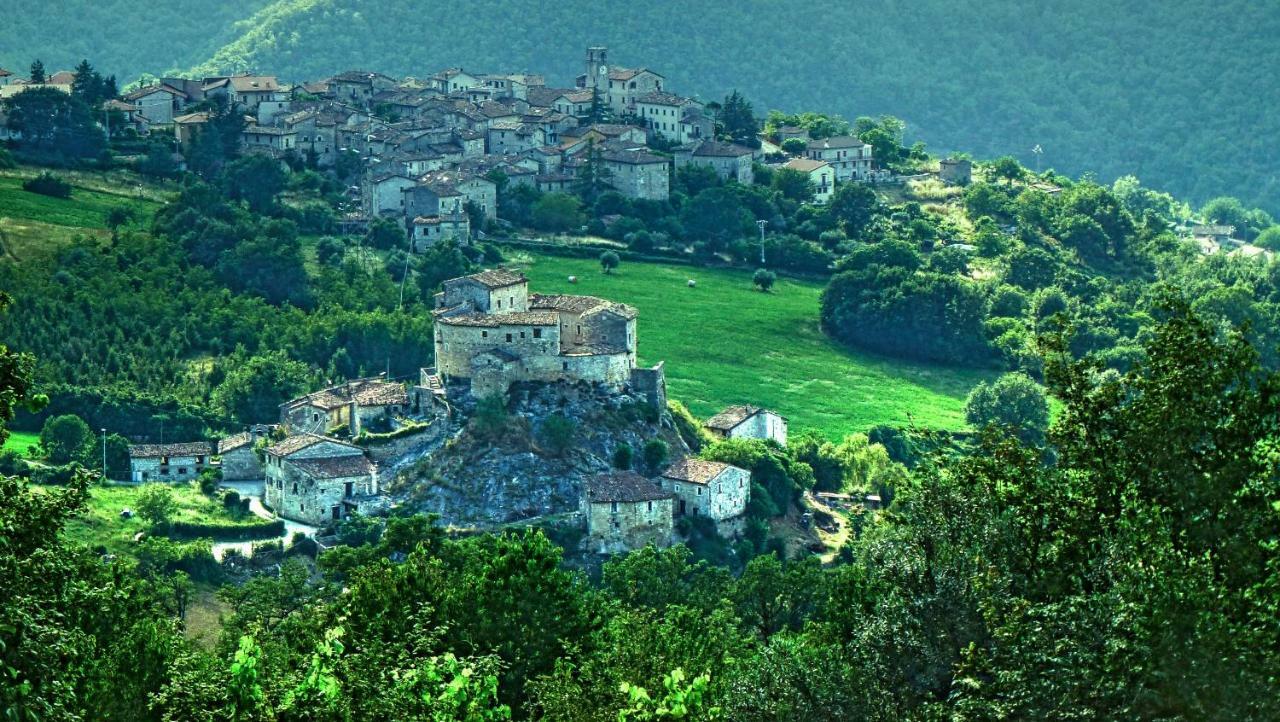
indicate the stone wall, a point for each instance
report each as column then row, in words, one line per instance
column 456, row 346
column 241, row 465
column 651, row 385
column 178, row 468
column 314, row 501
column 724, row 497
column 614, row 527
column 764, row 425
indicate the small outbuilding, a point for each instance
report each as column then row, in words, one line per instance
column 749, row 422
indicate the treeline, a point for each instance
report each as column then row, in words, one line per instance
column 1122, row 570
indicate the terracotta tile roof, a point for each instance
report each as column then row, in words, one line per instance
column 151, row 451
column 804, row 165
column 716, row 149
column 564, row 302
column 235, row 441
column 381, row 393
column 632, row 157
column 695, row 471
column 625, row 487
column 658, row 97
column 334, row 467
column 254, row 83
column 731, row 417
column 619, row 309
column 493, row 320
column 495, row 278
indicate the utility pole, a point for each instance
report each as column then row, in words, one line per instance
column 1039, row 152
column 104, row 454
column 762, row 224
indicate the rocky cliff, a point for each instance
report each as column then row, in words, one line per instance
column 529, row 458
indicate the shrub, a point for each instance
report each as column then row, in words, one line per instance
column 764, row 279
column 655, row 453
column 48, row 184
column 225, row 530
column 557, row 434
column 622, row 456
column 609, row 261
column 156, row 504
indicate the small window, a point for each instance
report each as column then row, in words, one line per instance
column 499, row 303
column 295, row 487
column 564, row 365
column 182, row 470
column 522, row 334
column 508, row 338
column 650, row 506
column 537, row 333
column 301, row 507
column 484, row 334
column 699, row 491
column 613, row 507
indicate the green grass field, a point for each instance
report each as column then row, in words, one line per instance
column 101, row 523
column 725, row 342
column 84, row 209
column 19, row 441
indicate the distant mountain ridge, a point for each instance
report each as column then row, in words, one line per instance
column 1180, row 97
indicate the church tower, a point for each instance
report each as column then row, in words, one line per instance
column 597, row 68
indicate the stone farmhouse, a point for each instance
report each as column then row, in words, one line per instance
column 169, row 462
column 351, row 406
column 956, row 171
column 624, row 511
column 491, row 332
column 709, row 488
column 638, row 173
column 315, row 479
column 749, row 422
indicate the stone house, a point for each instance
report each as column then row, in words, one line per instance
column 728, row 160
column 514, row 136
column 576, row 103
column 348, row 406
column 358, row 86
column 455, row 80
column 159, row 104
column 626, row 511
column 708, row 488
column 821, row 175
column 239, row 461
column 383, row 193
column 490, row 332
column 849, row 157
column 749, row 422
column 316, row 133
column 249, row 90
column 637, row 173
column 185, row 128
column 313, row 479
column 267, row 138
column 426, row 231
column 475, row 189
column 667, row 116
column 601, row 132
column 169, row 462
column 956, row 171
column 429, row 200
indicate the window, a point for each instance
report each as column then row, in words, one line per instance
column 484, row 334
column 499, row 303
column 349, row 489
column 508, row 338
column 564, row 365
column 537, row 333
column 522, row 334
column 295, row 487
column 677, row 486
column 182, row 470
column 301, row 507
column 699, row 491
column 650, row 506
column 613, row 507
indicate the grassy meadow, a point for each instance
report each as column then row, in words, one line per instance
column 101, row 523
column 725, row 342
column 34, row 224
column 18, row 441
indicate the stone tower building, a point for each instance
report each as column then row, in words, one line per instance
column 597, row 68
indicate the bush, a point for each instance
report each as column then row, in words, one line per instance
column 655, row 453
column 155, row 504
column 48, row 184
column 225, row 530
column 557, row 434
column 622, row 456
column 764, row 279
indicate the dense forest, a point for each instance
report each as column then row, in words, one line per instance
column 1176, row 97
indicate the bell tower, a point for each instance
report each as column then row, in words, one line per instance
column 597, row 68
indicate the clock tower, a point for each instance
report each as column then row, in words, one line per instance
column 598, row 68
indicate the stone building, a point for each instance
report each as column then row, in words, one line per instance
column 821, row 175
column 637, row 173
column 350, row 405
column 618, row 87
column 849, row 157
column 728, row 160
column 626, row 511
column 749, row 422
column 239, row 461
column 313, row 479
column 169, row 462
column 709, row 488
column 956, row 171
column 490, row 332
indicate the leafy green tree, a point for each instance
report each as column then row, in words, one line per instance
column 853, row 206
column 655, row 453
column 716, row 216
column 609, row 261
column 793, row 184
column 1006, row 168
column 1269, row 239
column 385, row 234
column 254, row 387
column 593, row 177
column 66, row 438
column 794, row 146
column 950, row 260
column 438, row 264
column 330, row 251
column 269, row 264
column 557, row 212
column 764, row 279
column 622, row 456
column 37, row 72
column 1031, row 268
column 1013, row 401
column 54, row 126
column 257, row 179
column 155, row 504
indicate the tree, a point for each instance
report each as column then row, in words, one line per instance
column 853, row 206
column 1007, row 168
column 792, row 184
column 54, row 125
column 557, row 212
column 268, row 264
column 622, row 456
column 1012, row 401
column 655, row 453
column 155, row 504
column 118, row 216
column 739, row 121
column 794, row 146
column 1269, row 239
column 385, row 234
column 66, row 438
column 558, row 432
column 1031, row 268
column 716, row 216
column 159, row 162
column 37, row 72
column 764, row 279
column 255, row 179
column 255, row 386
column 608, row 261
column 330, row 251
column 593, row 176
column 950, row 260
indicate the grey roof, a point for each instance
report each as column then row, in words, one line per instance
column 235, row 441
column 493, row 320
column 714, row 148
column 624, row 487
column 334, row 467
column 838, row 141
column 732, row 416
column 151, row 451
column 695, row 471
column 494, row 278
column 658, row 97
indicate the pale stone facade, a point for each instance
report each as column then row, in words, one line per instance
column 821, row 175
column 749, row 422
column 313, row 479
column 626, row 511
column 638, row 173
column 708, row 488
column 169, row 462
column 729, row 161
column 348, row 405
column 956, row 171
column 239, row 461
column 849, row 157
column 490, row 332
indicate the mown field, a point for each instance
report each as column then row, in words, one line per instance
column 33, row 224
column 725, row 342
column 18, row 441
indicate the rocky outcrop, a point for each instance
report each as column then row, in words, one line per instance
column 509, row 465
